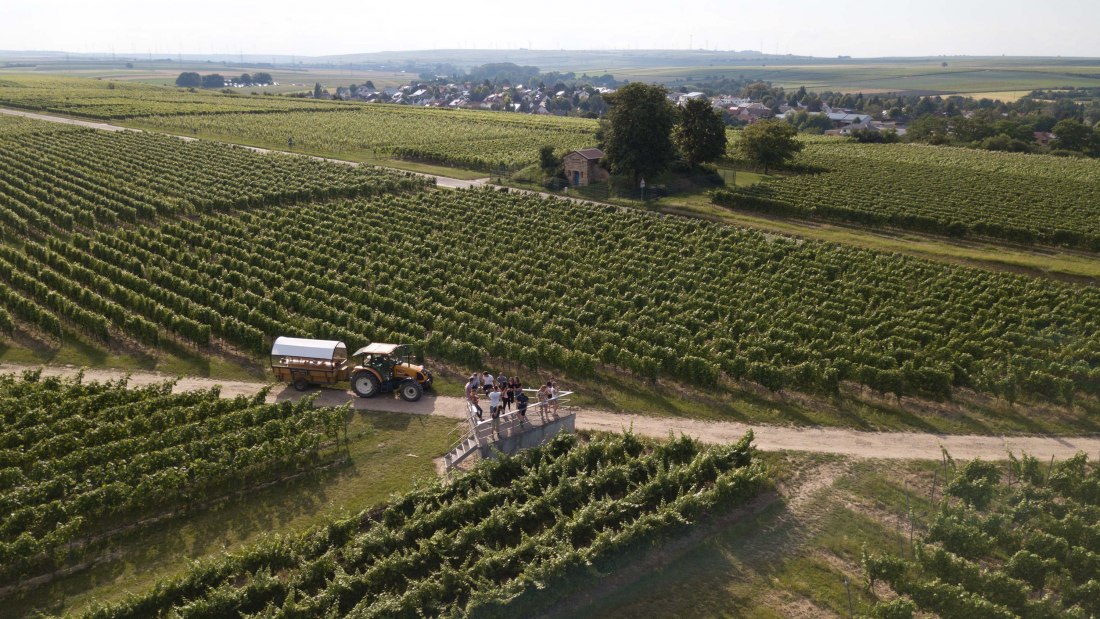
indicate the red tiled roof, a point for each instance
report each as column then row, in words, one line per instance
column 590, row 153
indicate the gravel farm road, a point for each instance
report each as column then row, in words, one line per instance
column 853, row 443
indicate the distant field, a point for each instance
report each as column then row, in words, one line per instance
column 929, row 77
column 464, row 138
column 160, row 73
column 951, row 191
column 112, row 100
column 350, row 130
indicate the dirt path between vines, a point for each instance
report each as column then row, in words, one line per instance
column 888, row 445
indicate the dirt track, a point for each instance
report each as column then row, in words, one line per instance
column 890, row 445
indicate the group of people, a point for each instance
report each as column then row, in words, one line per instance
column 503, row 392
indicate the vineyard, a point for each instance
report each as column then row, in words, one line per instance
column 498, row 541
column 115, row 100
column 76, row 457
column 81, row 177
column 685, row 299
column 463, row 138
column 1021, row 542
column 951, row 191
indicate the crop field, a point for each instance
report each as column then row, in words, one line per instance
column 115, row 100
column 1021, row 542
column 818, row 315
column 57, row 176
column 123, row 501
column 952, row 191
column 75, row 456
column 473, row 547
column 461, row 138
column 926, row 76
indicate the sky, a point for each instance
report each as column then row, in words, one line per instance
column 327, row 27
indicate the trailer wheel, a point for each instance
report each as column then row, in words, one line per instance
column 410, row 391
column 301, row 384
column 365, row 384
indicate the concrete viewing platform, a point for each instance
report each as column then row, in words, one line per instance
column 513, row 432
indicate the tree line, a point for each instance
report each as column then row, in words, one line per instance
column 191, row 79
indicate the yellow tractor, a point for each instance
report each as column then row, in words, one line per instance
column 384, row 368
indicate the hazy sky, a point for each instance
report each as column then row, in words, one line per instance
column 321, row 27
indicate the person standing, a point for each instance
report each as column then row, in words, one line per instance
column 494, row 409
column 521, row 401
column 544, row 396
column 505, row 395
column 554, row 397
column 471, row 395
column 487, row 382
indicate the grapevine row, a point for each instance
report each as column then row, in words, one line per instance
column 476, row 546
column 74, row 456
column 1029, row 547
column 948, row 191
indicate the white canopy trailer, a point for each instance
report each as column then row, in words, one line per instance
column 303, row 362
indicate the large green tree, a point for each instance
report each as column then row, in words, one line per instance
column 189, row 79
column 769, row 142
column 638, row 137
column 1071, row 134
column 701, row 134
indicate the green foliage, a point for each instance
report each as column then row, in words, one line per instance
column 1028, row 567
column 189, row 79
column 700, row 134
column 639, row 134
column 718, row 301
column 104, row 99
column 501, row 541
column 975, row 483
column 213, row 80
column 1072, row 134
column 463, row 138
column 1028, row 199
column 807, row 122
column 77, row 455
column 900, row 608
column 769, row 143
column 548, row 161
column 988, row 556
column 873, row 136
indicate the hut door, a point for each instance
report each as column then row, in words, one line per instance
column 576, row 177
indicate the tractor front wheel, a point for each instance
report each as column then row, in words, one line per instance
column 365, row 384
column 410, row 390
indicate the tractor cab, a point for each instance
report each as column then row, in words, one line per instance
column 384, row 368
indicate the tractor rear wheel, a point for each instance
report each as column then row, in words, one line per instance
column 410, row 390
column 365, row 384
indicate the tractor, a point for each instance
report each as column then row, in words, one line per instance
column 384, row 368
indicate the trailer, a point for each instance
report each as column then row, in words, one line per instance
column 305, row 363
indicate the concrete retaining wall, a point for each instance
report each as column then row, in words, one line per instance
column 531, row 436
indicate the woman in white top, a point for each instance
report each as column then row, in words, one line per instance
column 554, row 397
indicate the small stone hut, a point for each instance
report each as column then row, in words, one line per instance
column 582, row 167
